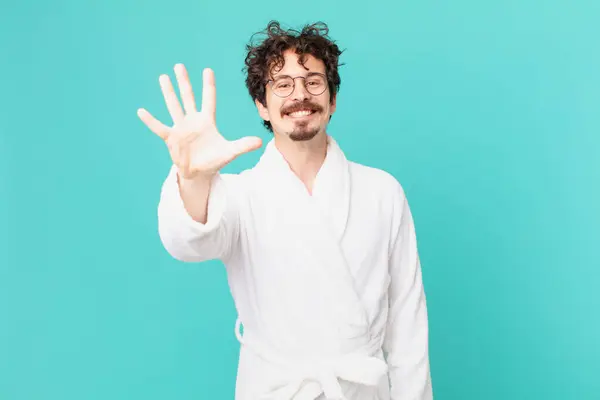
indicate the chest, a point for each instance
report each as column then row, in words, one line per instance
column 291, row 236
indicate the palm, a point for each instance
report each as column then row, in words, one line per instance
column 195, row 144
column 207, row 149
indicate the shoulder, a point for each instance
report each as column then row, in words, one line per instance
column 239, row 184
column 237, row 178
column 376, row 181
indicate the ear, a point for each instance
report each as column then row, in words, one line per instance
column 332, row 106
column 262, row 110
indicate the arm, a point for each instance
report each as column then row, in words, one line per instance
column 197, row 216
column 406, row 341
column 194, row 194
column 188, row 238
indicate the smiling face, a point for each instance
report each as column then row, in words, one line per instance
column 301, row 115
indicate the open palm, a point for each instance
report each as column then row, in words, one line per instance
column 195, row 144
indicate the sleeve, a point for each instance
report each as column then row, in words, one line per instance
column 406, row 340
column 188, row 240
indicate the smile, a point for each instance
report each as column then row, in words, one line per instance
column 300, row 114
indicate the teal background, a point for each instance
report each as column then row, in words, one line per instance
column 486, row 111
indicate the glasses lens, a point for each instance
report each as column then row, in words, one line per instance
column 315, row 84
column 283, row 86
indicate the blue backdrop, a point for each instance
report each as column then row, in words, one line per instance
column 487, row 113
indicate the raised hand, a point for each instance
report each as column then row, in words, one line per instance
column 195, row 145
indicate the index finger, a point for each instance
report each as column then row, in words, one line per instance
column 209, row 92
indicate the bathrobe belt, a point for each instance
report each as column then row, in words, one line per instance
column 360, row 367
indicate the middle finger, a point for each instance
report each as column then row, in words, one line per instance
column 171, row 99
column 185, row 88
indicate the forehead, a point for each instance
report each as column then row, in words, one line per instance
column 293, row 68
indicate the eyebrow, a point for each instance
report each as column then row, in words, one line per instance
column 289, row 76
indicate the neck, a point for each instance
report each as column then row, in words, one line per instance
column 305, row 158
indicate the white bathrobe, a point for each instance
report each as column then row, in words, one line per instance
column 327, row 286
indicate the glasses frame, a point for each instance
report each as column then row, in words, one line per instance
column 325, row 87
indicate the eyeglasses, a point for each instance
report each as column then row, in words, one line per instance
column 284, row 85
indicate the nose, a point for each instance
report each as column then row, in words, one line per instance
column 300, row 93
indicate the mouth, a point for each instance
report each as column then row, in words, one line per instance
column 304, row 113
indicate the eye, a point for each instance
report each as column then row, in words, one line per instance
column 314, row 82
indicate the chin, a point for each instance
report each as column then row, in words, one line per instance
column 303, row 135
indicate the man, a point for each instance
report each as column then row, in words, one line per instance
column 320, row 252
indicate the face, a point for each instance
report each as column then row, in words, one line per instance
column 301, row 115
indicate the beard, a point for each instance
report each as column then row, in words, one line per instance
column 302, row 131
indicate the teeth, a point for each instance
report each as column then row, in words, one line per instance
column 301, row 113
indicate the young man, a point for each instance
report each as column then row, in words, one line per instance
column 320, row 252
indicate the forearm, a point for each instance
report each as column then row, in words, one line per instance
column 407, row 343
column 195, row 194
column 197, row 220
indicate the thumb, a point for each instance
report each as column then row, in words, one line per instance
column 245, row 145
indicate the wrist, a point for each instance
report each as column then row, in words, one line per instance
column 199, row 179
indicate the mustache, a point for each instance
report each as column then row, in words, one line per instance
column 304, row 105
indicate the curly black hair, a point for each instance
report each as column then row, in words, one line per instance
column 263, row 57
